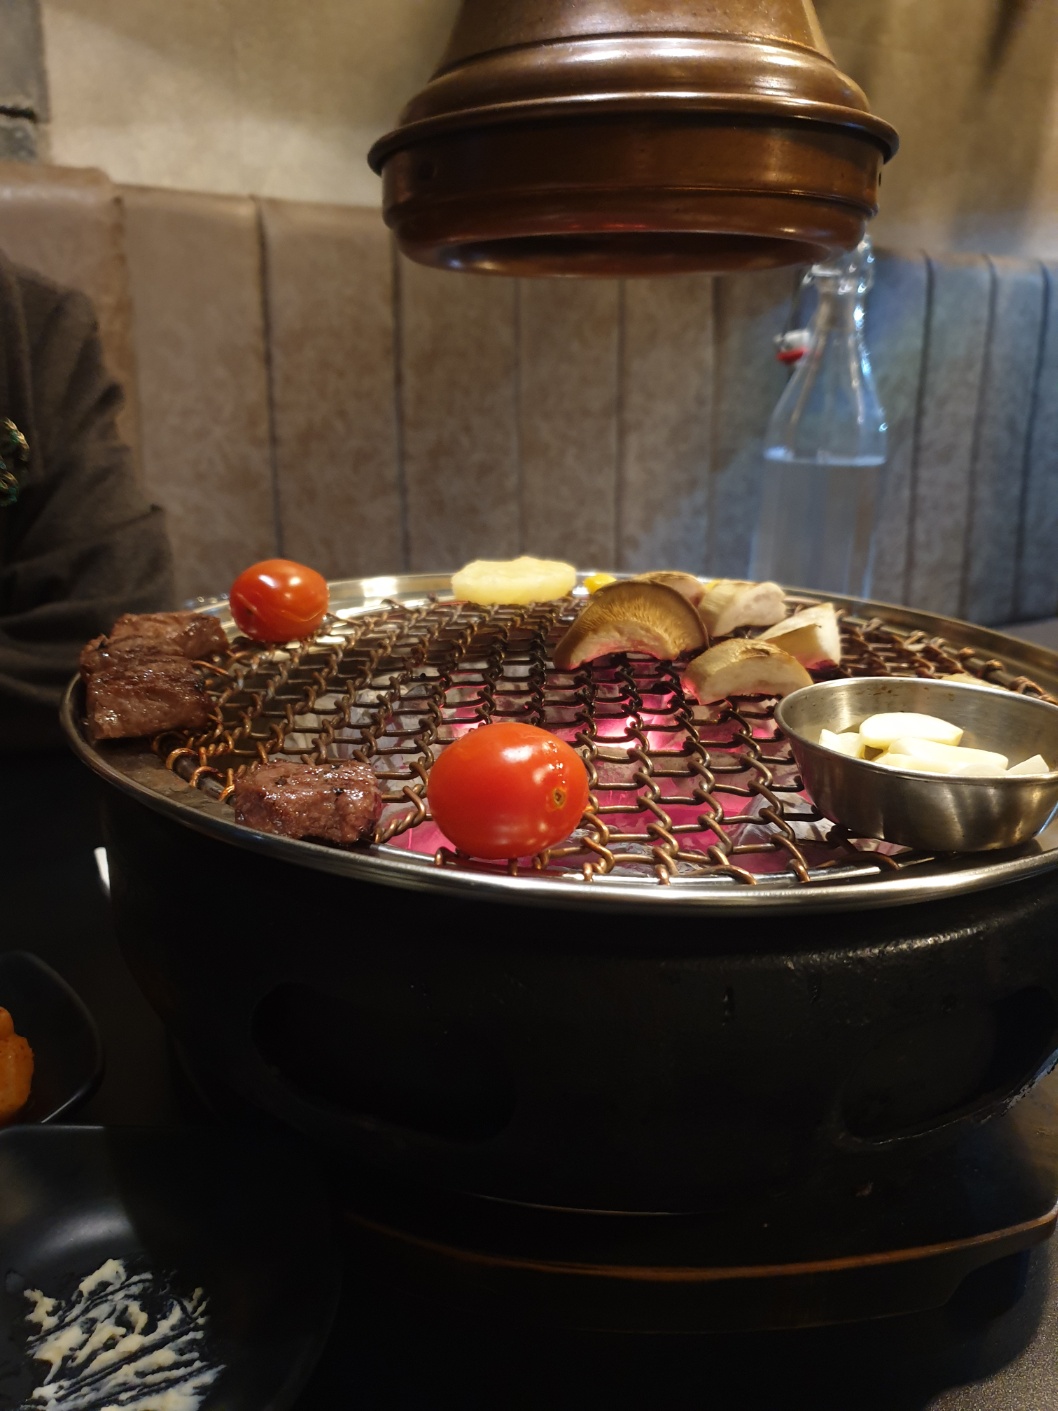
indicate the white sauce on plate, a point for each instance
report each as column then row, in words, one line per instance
column 123, row 1342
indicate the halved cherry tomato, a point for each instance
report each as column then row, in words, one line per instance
column 507, row 790
column 278, row 601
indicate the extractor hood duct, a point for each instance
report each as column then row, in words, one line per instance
column 624, row 137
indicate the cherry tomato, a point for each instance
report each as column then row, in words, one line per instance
column 507, row 790
column 278, row 601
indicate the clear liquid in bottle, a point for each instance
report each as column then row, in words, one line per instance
column 817, row 524
column 826, row 446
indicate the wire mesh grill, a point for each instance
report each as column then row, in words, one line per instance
column 678, row 790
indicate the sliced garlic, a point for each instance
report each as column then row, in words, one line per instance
column 976, row 771
column 903, row 761
column 953, row 757
column 1036, row 765
column 964, row 678
column 879, row 731
column 849, row 743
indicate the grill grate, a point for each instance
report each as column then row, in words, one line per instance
column 678, row 789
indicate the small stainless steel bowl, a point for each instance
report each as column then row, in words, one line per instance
column 935, row 812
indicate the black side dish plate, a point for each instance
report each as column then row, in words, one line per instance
column 67, row 1051
column 242, row 1218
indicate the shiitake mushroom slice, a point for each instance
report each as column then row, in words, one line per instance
column 632, row 616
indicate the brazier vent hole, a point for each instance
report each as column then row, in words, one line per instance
column 949, row 1065
column 387, row 1060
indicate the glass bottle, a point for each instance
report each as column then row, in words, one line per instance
column 826, row 445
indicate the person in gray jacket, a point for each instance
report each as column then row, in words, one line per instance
column 79, row 542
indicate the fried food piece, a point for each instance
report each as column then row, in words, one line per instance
column 335, row 803
column 144, row 696
column 185, row 634
column 16, row 1069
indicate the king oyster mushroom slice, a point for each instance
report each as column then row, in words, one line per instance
column 632, row 616
column 812, row 636
column 689, row 587
column 728, row 603
column 744, row 667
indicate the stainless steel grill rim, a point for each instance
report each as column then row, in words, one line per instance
column 402, row 668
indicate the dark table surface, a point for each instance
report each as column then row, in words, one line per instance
column 399, row 1351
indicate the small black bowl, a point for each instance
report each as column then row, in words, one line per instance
column 243, row 1218
column 67, row 1051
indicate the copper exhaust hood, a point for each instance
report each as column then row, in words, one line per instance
column 624, row 137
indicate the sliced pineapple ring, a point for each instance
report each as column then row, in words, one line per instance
column 524, row 580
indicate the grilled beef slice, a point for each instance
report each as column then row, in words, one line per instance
column 336, row 803
column 101, row 653
column 140, row 680
column 185, row 634
column 144, row 696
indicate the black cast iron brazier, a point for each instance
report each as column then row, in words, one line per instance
column 619, row 1061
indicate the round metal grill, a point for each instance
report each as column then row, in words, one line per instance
column 680, row 792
